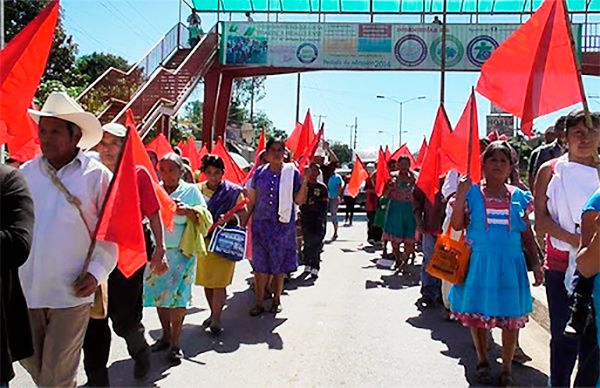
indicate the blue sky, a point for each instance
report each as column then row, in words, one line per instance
column 131, row 27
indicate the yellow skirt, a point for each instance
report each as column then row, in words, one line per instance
column 214, row 271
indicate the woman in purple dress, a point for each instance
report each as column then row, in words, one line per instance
column 276, row 188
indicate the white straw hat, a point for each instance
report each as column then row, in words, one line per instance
column 61, row 106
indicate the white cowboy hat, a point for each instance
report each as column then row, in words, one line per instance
column 61, row 106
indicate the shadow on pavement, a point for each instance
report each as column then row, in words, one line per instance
column 396, row 281
column 239, row 329
column 460, row 346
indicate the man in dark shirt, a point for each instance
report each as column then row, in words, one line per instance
column 547, row 151
column 313, row 216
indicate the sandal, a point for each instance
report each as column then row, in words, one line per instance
column 276, row 308
column 175, row 355
column 215, row 328
column 520, row 357
column 506, row 380
column 160, row 345
column 256, row 311
column 483, row 373
column 206, row 322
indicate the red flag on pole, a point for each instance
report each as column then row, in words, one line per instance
column 359, row 175
column 141, row 158
column 233, row 172
column 404, row 151
column 422, row 153
column 432, row 168
column 311, row 151
column 382, row 175
column 23, row 62
column 534, row 72
column 465, row 135
column 121, row 219
column 292, row 141
column 189, row 150
column 388, row 154
column 160, row 145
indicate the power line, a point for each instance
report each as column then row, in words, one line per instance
column 123, row 19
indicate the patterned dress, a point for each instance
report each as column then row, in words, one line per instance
column 496, row 289
column 273, row 242
column 174, row 288
column 400, row 224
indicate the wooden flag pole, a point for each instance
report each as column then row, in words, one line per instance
column 443, row 59
column 470, row 150
column 584, row 102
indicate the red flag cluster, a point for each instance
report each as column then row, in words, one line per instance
column 383, row 173
column 404, row 151
column 458, row 149
column 302, row 138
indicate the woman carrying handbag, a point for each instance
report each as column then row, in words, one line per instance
column 495, row 292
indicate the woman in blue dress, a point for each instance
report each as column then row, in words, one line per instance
column 495, row 292
column 171, row 292
column 588, row 259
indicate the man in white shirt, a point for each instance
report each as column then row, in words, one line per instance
column 58, row 294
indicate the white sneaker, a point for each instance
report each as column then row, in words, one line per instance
column 314, row 272
column 307, row 269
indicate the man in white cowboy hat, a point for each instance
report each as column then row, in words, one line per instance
column 125, row 294
column 68, row 190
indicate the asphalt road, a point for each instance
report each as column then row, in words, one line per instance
column 355, row 326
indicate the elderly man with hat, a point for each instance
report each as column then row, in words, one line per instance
column 68, row 190
column 125, row 294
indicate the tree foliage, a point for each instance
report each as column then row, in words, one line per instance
column 245, row 94
column 90, row 67
column 61, row 62
column 343, row 152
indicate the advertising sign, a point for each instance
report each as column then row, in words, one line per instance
column 372, row 46
column 503, row 124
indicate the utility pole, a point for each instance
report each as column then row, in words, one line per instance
column 298, row 100
column 319, row 122
column 355, row 131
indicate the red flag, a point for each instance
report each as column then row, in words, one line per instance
column 388, row 154
column 160, row 145
column 432, row 169
column 383, row 173
column 534, row 72
column 23, row 63
column 456, row 149
column 233, row 172
column 121, row 219
column 422, row 153
column 141, row 158
column 404, row 151
column 359, row 175
column 292, row 141
column 311, row 151
column 306, row 136
column 189, row 150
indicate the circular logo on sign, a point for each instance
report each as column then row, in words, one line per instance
column 307, row 53
column 410, row 50
column 480, row 49
column 454, row 51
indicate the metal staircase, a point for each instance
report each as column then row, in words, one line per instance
column 157, row 85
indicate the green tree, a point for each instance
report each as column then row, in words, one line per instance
column 343, row 152
column 61, row 62
column 90, row 67
column 245, row 94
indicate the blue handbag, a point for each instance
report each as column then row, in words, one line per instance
column 229, row 242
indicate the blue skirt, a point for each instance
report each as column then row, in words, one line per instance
column 496, row 284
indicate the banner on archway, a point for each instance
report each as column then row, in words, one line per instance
column 354, row 46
